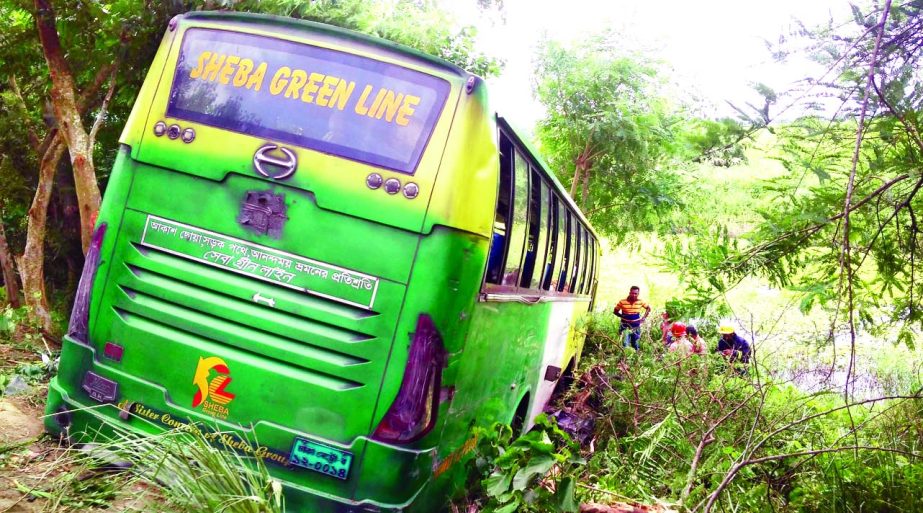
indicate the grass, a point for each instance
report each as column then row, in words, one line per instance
column 195, row 476
column 175, row 471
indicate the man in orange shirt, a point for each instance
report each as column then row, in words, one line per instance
column 629, row 311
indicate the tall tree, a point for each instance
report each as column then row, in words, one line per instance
column 8, row 269
column 70, row 122
column 59, row 81
column 608, row 131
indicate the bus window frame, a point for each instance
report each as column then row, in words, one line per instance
column 547, row 200
column 578, row 264
column 512, row 275
column 566, row 262
column 534, row 236
column 506, row 157
column 588, row 263
column 560, row 217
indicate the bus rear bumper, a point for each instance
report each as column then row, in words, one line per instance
column 84, row 422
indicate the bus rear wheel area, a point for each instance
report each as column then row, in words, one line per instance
column 518, row 422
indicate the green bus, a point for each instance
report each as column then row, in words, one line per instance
column 325, row 252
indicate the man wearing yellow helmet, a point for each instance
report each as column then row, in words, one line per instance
column 733, row 345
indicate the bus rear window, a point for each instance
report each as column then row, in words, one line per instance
column 326, row 100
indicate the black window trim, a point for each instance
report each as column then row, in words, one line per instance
column 558, row 196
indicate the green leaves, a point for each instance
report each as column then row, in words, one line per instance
column 533, row 473
column 564, row 496
column 418, row 24
column 608, row 130
column 497, row 484
column 537, row 466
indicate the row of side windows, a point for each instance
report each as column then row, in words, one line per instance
column 538, row 242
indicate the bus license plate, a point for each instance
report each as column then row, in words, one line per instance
column 320, row 458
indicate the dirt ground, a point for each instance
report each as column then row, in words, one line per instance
column 37, row 474
column 26, row 456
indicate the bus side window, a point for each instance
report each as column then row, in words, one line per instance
column 581, row 279
column 519, row 221
column 553, row 260
column 589, row 263
column 568, row 250
column 596, row 263
column 581, row 259
column 572, row 254
column 535, row 247
column 578, row 257
column 560, row 237
column 547, row 233
column 588, row 268
column 501, row 218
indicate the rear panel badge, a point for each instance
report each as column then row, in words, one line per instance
column 263, row 212
column 274, row 161
column 212, row 394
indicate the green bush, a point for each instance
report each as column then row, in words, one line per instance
column 532, row 473
column 675, row 430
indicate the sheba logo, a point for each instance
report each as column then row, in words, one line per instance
column 212, row 394
column 319, row 89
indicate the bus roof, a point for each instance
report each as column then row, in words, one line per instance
column 300, row 27
column 536, row 157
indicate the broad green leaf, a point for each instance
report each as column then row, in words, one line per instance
column 564, row 496
column 509, row 508
column 538, row 466
column 497, row 484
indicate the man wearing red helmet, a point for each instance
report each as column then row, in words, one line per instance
column 679, row 342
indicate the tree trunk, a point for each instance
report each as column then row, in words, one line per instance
column 70, row 123
column 582, row 172
column 585, row 196
column 9, row 271
column 67, row 223
column 31, row 265
column 575, row 186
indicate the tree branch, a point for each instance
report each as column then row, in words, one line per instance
column 33, row 136
column 101, row 115
column 736, row 468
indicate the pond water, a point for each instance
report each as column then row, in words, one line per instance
column 881, row 368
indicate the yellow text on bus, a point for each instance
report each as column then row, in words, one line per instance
column 310, row 87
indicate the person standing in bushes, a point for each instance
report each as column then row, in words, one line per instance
column 628, row 310
column 732, row 345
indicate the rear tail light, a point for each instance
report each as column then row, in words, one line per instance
column 80, row 315
column 413, row 413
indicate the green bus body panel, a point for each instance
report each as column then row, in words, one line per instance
column 466, row 190
column 308, row 367
column 305, row 333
